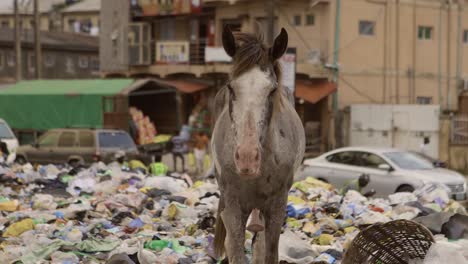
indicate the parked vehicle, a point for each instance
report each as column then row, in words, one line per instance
column 7, row 136
column 79, row 146
column 390, row 170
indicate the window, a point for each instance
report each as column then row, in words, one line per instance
column 31, row 62
column 370, row 160
column 86, row 139
column 83, row 62
column 49, row 60
column 310, row 20
column 366, row 28
column 71, row 25
column 409, row 161
column 5, row 24
column 49, row 139
column 5, row 131
column 2, row 60
column 297, row 20
column 95, row 64
column 32, row 23
column 115, row 140
column 11, row 59
column 424, row 100
column 465, row 36
column 346, row 157
column 424, row 32
column 67, row 139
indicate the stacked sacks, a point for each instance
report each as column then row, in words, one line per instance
column 146, row 129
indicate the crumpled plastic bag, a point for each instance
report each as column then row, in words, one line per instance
column 402, row 198
column 404, row 212
column 62, row 257
column 437, row 193
column 442, row 252
column 166, row 183
column 293, row 249
column 19, row 228
column 44, row 202
column 81, row 184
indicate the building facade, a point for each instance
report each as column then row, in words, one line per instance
column 55, row 15
column 64, row 56
column 82, row 17
column 403, row 52
column 387, row 51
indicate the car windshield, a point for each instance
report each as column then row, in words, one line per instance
column 5, row 131
column 119, row 140
column 409, row 161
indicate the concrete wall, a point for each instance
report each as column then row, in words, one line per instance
column 377, row 68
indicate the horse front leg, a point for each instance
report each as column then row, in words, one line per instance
column 234, row 221
column 274, row 219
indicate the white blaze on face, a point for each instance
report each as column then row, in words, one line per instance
column 251, row 91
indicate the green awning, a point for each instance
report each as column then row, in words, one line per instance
column 47, row 104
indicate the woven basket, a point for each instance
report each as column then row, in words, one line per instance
column 394, row 242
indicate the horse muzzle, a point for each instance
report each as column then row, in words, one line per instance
column 247, row 160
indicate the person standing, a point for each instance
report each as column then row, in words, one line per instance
column 424, row 148
column 179, row 150
column 201, row 143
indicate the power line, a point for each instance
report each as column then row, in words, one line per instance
column 356, row 38
column 357, row 90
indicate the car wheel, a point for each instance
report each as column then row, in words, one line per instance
column 21, row 160
column 405, row 188
column 74, row 163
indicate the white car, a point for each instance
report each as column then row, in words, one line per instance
column 7, row 136
column 390, row 170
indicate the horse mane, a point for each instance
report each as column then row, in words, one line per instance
column 252, row 51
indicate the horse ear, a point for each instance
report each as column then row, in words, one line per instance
column 280, row 45
column 229, row 42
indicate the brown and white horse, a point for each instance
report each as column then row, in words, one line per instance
column 258, row 143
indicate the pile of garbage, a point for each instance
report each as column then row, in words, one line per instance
column 324, row 223
column 107, row 214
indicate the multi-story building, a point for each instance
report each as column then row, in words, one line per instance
column 77, row 16
column 82, row 17
column 46, row 10
column 181, row 39
column 65, row 56
column 387, row 51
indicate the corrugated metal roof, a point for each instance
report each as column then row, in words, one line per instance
column 84, row 6
column 59, row 39
column 313, row 92
column 68, row 87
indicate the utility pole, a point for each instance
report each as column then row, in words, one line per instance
column 271, row 21
column 37, row 39
column 17, row 42
column 336, row 74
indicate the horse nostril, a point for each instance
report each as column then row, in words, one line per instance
column 244, row 171
column 237, row 155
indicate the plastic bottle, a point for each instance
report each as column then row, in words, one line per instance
column 157, row 245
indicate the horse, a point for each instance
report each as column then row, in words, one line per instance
column 258, row 143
